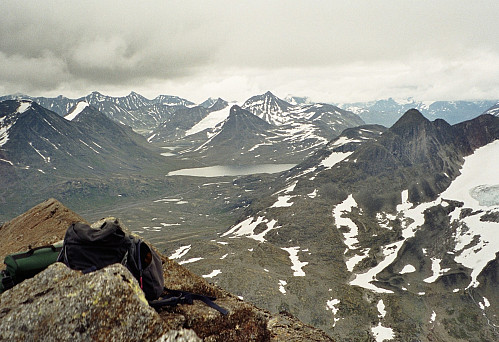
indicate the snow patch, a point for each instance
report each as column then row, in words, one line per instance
column 6, row 161
column 437, row 272
column 342, row 208
column 283, row 201
column 381, row 308
column 364, row 280
column 408, row 269
column 332, row 305
column 213, row 273
column 24, row 105
column 313, row 194
column 433, row 317
column 80, row 106
column 334, row 158
column 382, row 333
column 180, row 252
column 189, row 261
column 248, row 226
column 353, row 261
column 282, row 283
column 296, row 263
column 210, row 121
column 344, row 140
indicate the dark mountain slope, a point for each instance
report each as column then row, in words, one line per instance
column 415, row 153
column 117, row 138
column 240, row 128
column 90, row 160
column 235, row 139
column 175, row 126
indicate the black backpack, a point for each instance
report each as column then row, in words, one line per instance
column 89, row 248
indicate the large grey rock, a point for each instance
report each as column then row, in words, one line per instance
column 60, row 304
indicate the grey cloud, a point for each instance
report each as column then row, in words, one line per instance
column 94, row 44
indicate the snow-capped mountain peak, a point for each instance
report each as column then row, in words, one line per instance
column 268, row 107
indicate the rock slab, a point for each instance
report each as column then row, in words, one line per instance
column 65, row 305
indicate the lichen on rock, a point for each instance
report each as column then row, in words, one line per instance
column 65, row 305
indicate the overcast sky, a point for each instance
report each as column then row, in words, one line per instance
column 330, row 51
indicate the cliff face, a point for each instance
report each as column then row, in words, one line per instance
column 65, row 305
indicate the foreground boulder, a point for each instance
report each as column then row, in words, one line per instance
column 65, row 305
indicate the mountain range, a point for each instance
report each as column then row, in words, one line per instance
column 133, row 110
column 266, row 129
column 42, row 152
column 145, row 115
column 387, row 112
column 375, row 233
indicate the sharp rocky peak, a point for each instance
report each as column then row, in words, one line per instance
column 409, row 121
column 238, row 114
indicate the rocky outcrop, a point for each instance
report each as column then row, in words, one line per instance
column 62, row 304
column 42, row 225
column 65, row 305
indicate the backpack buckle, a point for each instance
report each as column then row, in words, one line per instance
column 7, row 281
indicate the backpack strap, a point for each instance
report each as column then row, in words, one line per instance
column 141, row 282
column 31, row 251
column 182, row 297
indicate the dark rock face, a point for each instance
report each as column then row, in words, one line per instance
column 108, row 305
column 241, row 127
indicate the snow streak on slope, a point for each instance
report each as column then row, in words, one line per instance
column 23, row 106
column 4, row 130
column 211, row 120
column 297, row 264
column 248, row 226
column 80, row 106
column 339, row 219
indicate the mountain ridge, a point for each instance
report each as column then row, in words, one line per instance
column 387, row 111
column 344, row 227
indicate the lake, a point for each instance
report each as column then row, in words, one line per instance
column 231, row 170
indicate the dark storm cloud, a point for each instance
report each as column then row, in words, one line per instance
column 54, row 42
column 222, row 45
